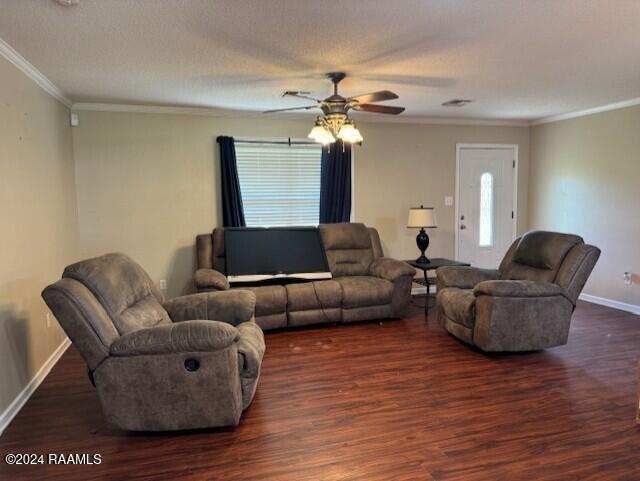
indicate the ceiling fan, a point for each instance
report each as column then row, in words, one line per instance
column 335, row 123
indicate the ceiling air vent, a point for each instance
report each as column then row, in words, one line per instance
column 457, row 103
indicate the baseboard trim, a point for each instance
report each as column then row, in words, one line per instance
column 623, row 306
column 21, row 399
column 417, row 290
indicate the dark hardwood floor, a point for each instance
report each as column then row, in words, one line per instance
column 399, row 400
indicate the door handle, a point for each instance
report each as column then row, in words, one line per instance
column 463, row 227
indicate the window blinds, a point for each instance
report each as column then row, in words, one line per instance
column 279, row 183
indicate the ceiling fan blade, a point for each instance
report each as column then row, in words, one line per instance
column 300, row 95
column 306, row 107
column 380, row 96
column 379, row 109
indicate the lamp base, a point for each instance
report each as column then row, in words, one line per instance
column 422, row 240
column 423, row 260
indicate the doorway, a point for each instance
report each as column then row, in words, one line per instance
column 486, row 202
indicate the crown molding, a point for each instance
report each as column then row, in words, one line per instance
column 8, row 52
column 168, row 109
column 219, row 112
column 446, row 121
column 582, row 113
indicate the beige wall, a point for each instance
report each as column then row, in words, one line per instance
column 404, row 165
column 39, row 224
column 148, row 183
column 584, row 179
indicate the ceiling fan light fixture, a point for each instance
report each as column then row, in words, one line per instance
column 335, row 123
column 349, row 133
column 319, row 133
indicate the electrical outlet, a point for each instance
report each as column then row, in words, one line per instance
column 628, row 278
column 162, row 284
column 448, row 201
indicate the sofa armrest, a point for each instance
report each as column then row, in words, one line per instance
column 251, row 348
column 390, row 269
column 188, row 336
column 234, row 306
column 211, row 279
column 464, row 277
column 517, row 289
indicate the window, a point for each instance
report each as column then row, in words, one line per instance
column 279, row 183
column 486, row 210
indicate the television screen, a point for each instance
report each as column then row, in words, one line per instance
column 258, row 254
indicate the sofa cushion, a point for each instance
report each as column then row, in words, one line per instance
column 345, row 235
column 544, row 250
column 350, row 262
column 348, row 248
column 458, row 305
column 124, row 290
column 363, row 291
column 313, row 295
column 314, row 302
column 269, row 299
column 519, row 272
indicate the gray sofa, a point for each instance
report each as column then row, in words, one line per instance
column 191, row 362
column 524, row 305
column 365, row 284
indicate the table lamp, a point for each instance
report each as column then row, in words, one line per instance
column 423, row 218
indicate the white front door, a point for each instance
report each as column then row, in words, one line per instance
column 485, row 214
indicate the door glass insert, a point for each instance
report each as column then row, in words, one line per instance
column 485, row 230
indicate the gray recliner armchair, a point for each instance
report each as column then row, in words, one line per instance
column 527, row 303
column 191, row 362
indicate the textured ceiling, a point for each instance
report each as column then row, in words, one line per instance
column 517, row 59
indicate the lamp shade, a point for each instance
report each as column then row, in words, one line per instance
column 422, row 217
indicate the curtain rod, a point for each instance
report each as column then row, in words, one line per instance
column 277, row 142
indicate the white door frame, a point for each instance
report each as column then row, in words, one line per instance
column 514, row 221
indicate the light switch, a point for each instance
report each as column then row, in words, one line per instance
column 448, row 201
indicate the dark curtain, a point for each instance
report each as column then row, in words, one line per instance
column 335, row 183
column 232, row 210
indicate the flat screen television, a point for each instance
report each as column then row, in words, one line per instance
column 255, row 254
